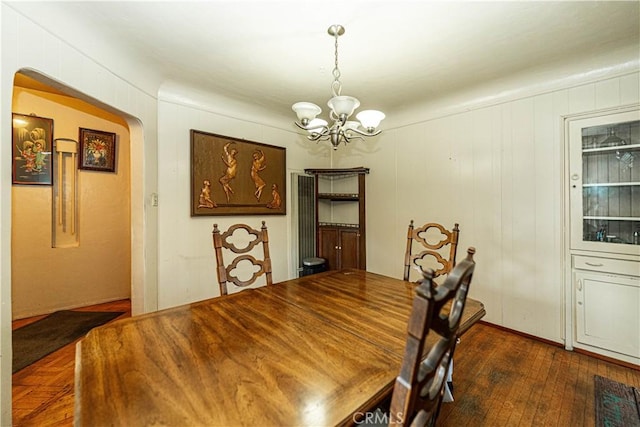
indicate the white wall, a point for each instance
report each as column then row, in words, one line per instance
column 498, row 171
column 27, row 45
column 186, row 266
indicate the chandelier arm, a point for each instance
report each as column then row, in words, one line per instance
column 315, row 135
column 323, row 137
column 300, row 125
column 322, row 130
column 365, row 133
column 347, row 136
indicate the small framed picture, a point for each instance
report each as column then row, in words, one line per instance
column 97, row 150
column 32, row 142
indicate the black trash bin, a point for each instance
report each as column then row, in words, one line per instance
column 313, row 265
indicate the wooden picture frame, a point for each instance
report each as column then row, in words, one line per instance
column 97, row 150
column 32, row 141
column 231, row 176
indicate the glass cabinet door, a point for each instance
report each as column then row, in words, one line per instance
column 605, row 183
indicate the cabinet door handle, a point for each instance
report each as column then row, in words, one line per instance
column 335, row 247
column 594, row 264
column 579, row 285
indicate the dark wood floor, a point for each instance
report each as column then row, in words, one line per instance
column 504, row 379
column 501, row 379
column 43, row 391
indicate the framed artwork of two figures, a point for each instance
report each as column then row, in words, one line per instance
column 32, row 143
column 231, row 176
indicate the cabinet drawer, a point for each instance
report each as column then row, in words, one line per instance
column 607, row 265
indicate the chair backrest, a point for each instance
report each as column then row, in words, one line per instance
column 437, row 309
column 220, row 240
column 423, row 236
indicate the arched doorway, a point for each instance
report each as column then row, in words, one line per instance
column 56, row 265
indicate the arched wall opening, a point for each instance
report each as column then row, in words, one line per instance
column 71, row 227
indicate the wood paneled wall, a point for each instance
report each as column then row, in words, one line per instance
column 498, row 171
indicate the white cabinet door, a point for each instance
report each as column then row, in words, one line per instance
column 604, row 183
column 608, row 313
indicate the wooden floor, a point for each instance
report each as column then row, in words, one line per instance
column 43, row 391
column 505, row 379
column 501, row 379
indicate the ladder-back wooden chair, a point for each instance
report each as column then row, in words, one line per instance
column 419, row 389
column 431, row 251
column 225, row 276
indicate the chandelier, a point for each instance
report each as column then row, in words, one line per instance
column 341, row 108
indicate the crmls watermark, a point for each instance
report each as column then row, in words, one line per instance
column 375, row 417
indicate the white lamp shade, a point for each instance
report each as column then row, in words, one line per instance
column 306, row 110
column 370, row 119
column 316, row 125
column 343, row 104
column 351, row 124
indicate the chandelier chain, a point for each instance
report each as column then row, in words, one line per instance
column 336, row 86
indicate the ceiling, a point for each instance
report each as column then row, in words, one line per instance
column 393, row 54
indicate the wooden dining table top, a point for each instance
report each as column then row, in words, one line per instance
column 316, row 350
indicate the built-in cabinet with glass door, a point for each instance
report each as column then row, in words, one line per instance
column 604, row 192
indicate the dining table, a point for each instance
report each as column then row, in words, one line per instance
column 319, row 350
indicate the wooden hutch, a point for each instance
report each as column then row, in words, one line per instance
column 340, row 217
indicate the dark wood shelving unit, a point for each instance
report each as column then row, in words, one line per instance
column 342, row 244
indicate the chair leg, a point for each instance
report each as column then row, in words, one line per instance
column 448, row 387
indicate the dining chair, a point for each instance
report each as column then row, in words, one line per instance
column 437, row 309
column 257, row 267
column 433, row 238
